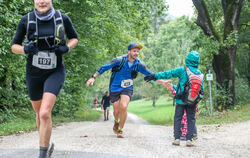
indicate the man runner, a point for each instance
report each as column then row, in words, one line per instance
column 124, row 70
column 105, row 104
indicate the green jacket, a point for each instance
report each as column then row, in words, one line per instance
column 192, row 61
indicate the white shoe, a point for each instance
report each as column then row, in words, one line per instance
column 176, row 142
column 189, row 143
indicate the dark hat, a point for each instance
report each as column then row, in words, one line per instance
column 134, row 45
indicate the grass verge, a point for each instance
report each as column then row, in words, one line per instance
column 239, row 114
column 163, row 113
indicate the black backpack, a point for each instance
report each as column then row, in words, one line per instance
column 118, row 68
column 59, row 31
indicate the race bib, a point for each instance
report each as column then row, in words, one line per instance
column 44, row 60
column 126, row 83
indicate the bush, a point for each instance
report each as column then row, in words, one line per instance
column 242, row 91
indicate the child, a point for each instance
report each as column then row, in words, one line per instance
column 183, row 95
column 169, row 86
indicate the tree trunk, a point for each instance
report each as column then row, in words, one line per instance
column 154, row 100
column 221, row 65
column 232, row 55
column 224, row 67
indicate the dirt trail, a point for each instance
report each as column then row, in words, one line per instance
column 96, row 140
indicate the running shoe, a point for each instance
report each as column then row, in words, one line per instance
column 120, row 134
column 50, row 151
column 176, row 142
column 189, row 143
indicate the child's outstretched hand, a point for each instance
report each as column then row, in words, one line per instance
column 166, row 83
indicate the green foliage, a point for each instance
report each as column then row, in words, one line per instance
column 242, row 91
column 223, row 28
column 105, row 28
column 170, row 46
column 13, row 93
column 243, row 54
column 221, row 98
column 166, row 50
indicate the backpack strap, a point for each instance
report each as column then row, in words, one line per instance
column 189, row 73
column 177, row 96
column 122, row 63
column 59, row 28
column 180, row 94
column 117, row 69
column 31, row 27
column 136, row 67
column 135, row 70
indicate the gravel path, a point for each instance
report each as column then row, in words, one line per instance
column 96, row 140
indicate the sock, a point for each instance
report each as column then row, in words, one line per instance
column 117, row 121
column 120, row 129
column 43, row 152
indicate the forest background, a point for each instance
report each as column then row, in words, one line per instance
column 219, row 31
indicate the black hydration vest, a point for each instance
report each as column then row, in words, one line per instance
column 119, row 67
column 59, row 31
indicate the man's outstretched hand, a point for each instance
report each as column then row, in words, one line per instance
column 90, row 82
column 150, row 77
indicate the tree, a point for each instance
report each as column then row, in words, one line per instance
column 104, row 28
column 224, row 60
column 243, row 57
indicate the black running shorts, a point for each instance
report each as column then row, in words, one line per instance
column 114, row 96
column 105, row 107
column 51, row 83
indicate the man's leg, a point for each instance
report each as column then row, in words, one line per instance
column 105, row 114
column 48, row 102
column 123, row 114
column 116, row 107
column 123, row 109
column 108, row 113
column 116, row 114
